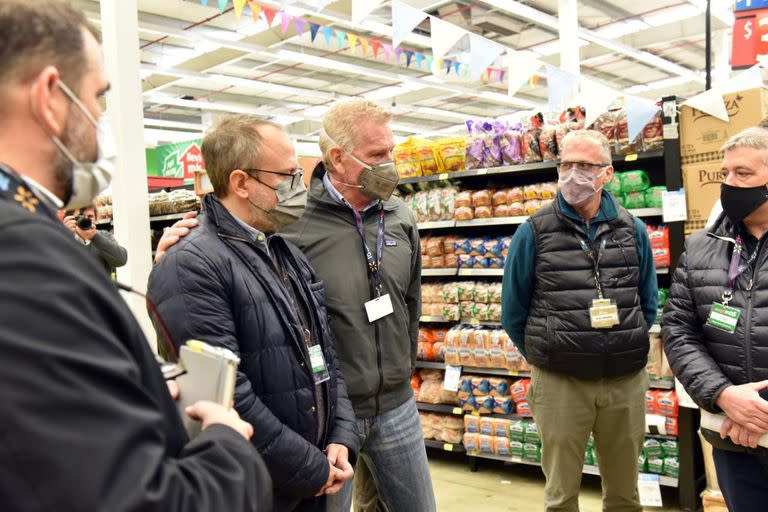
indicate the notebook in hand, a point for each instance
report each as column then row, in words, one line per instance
column 210, row 374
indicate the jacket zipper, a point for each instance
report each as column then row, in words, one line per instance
column 748, row 312
column 304, row 350
column 377, row 341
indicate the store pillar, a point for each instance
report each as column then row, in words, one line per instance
column 129, row 187
column 569, row 36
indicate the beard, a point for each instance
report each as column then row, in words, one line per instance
column 79, row 137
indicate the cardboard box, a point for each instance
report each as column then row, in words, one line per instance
column 702, row 182
column 713, row 501
column 702, row 133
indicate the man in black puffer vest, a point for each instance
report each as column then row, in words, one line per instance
column 579, row 294
column 715, row 325
column 233, row 283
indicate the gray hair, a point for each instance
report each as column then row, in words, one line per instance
column 755, row 137
column 340, row 124
column 593, row 136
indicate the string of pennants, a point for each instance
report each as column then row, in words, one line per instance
column 357, row 44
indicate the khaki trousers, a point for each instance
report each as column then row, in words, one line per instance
column 566, row 410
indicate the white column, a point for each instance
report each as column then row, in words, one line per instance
column 567, row 13
column 129, row 188
column 721, row 43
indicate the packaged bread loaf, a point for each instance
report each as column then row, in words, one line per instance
column 464, row 213
column 483, row 212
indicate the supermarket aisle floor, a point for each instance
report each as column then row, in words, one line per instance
column 496, row 488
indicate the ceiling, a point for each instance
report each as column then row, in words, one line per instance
column 198, row 64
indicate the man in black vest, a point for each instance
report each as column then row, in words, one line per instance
column 87, row 420
column 579, row 294
column 716, row 321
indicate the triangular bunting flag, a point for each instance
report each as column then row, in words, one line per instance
column 255, row 10
column 269, row 14
column 327, row 32
column 465, row 70
column 222, row 5
column 364, row 46
column 313, row 28
column 639, row 112
column 561, row 87
column 204, row 3
column 444, row 36
column 438, row 65
column 501, row 75
column 408, row 57
column 710, row 102
column 376, row 45
column 285, row 21
column 404, row 19
column 429, row 62
column 482, row 53
column 301, row 24
column 387, row 51
column 456, row 66
column 340, row 36
column 362, row 8
column 352, row 38
column 448, row 66
column 398, row 52
column 595, row 98
column 521, row 67
column 419, row 60
column 238, row 5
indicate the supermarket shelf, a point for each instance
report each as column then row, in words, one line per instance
column 589, row 470
column 662, row 383
column 436, row 319
column 475, row 321
column 493, row 221
column 430, row 365
column 156, row 218
column 502, row 372
column 662, row 270
column 646, row 212
column 655, row 329
column 432, row 272
column 512, row 169
column 479, row 272
column 438, row 224
column 441, row 408
column 448, row 447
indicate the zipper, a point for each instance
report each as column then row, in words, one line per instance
column 376, row 337
column 748, row 312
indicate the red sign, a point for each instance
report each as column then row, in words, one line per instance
column 745, row 37
column 192, row 161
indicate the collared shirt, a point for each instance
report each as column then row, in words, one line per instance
column 336, row 195
column 46, row 194
column 255, row 235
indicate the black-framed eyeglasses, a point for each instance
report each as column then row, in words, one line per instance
column 581, row 166
column 297, row 173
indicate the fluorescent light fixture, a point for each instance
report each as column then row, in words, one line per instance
column 621, row 28
column 392, row 90
column 552, row 47
column 152, row 137
column 202, row 105
column 672, row 15
column 253, row 28
column 316, row 111
column 286, row 120
column 268, row 86
column 163, row 123
column 441, row 113
column 658, row 84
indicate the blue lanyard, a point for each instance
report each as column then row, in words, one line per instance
column 737, row 267
column 374, row 264
column 595, row 261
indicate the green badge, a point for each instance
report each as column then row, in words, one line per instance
column 723, row 317
column 319, row 369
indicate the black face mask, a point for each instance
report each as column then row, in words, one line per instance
column 738, row 203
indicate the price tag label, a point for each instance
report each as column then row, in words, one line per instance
column 452, row 376
column 458, row 411
column 476, row 413
column 649, row 489
column 448, row 447
column 442, row 176
column 630, row 158
column 474, row 321
column 673, row 206
column 481, row 172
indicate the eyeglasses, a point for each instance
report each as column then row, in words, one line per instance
column 581, row 166
column 297, row 173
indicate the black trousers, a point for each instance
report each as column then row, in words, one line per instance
column 743, row 478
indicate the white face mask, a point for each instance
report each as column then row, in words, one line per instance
column 89, row 179
column 291, row 202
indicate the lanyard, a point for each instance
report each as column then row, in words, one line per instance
column 374, row 264
column 595, row 261
column 737, row 267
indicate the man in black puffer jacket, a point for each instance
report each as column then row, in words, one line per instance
column 232, row 283
column 715, row 324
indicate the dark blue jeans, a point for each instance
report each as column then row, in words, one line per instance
column 743, row 478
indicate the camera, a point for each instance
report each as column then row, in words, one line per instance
column 83, row 222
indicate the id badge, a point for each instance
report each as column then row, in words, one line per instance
column 723, row 317
column 319, row 368
column 603, row 314
column 379, row 308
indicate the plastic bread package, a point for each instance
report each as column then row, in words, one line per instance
column 501, row 446
column 471, row 424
